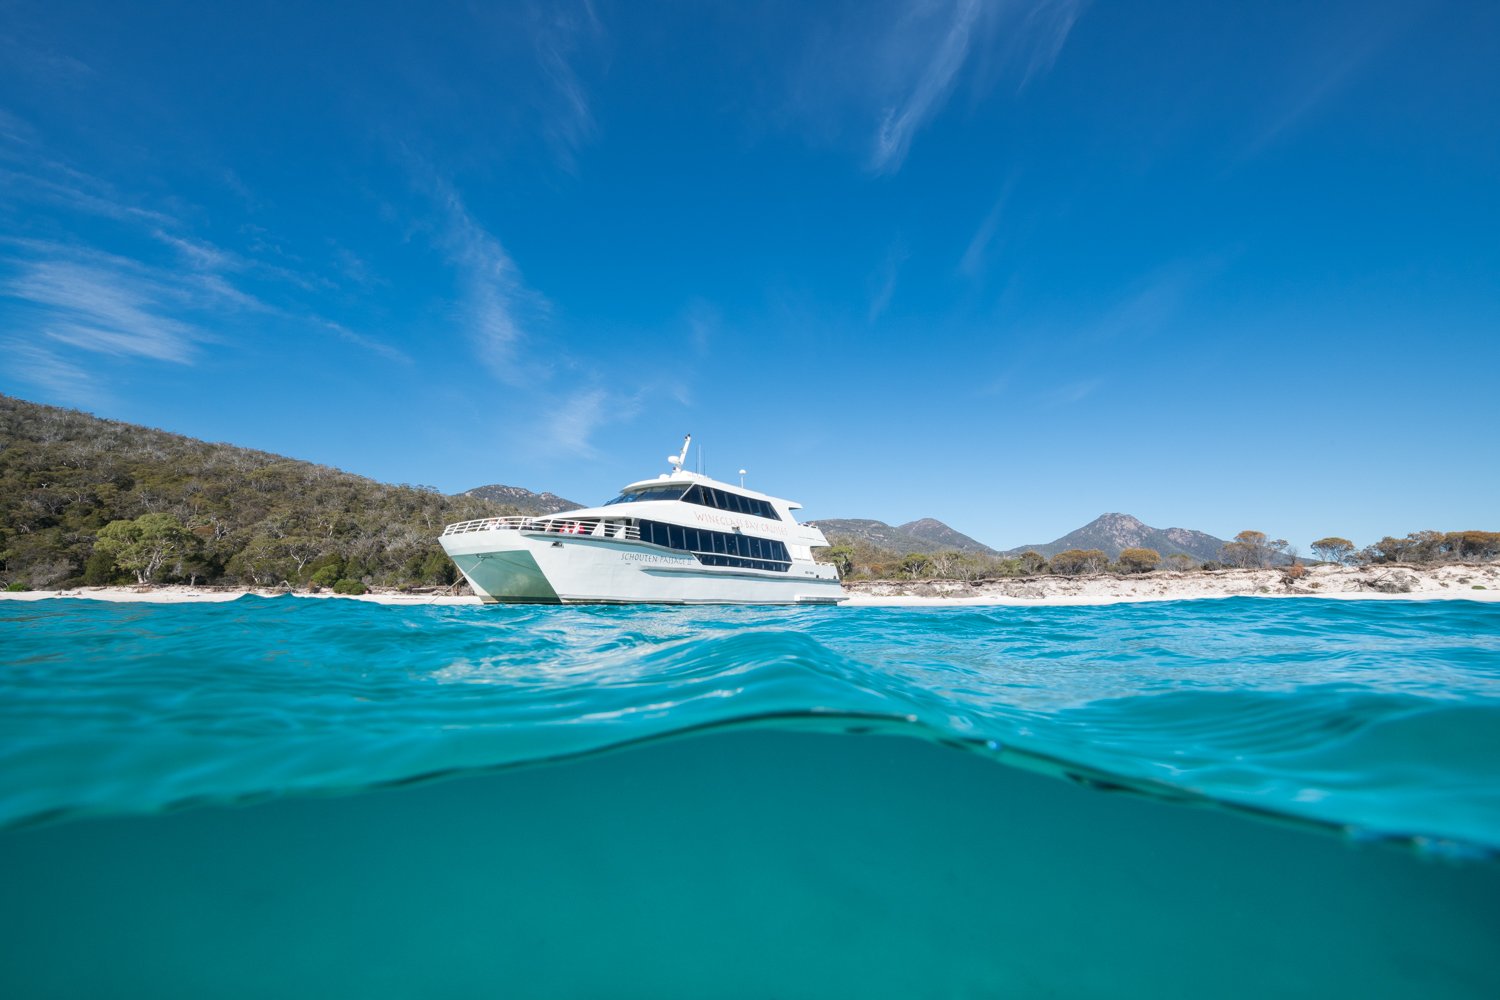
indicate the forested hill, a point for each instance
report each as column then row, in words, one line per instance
column 188, row 510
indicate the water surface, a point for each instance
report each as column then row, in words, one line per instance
column 242, row 798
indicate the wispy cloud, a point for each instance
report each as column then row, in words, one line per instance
column 900, row 62
column 1072, row 392
column 928, row 90
column 1154, row 301
column 44, row 65
column 704, row 325
column 1324, row 65
column 573, row 419
column 142, row 306
column 884, row 282
column 35, row 365
column 971, row 265
column 494, row 296
column 112, row 308
column 367, row 343
column 58, row 184
column 561, row 34
column 501, row 314
column 1042, row 34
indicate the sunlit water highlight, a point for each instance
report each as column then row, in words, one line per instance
column 757, row 785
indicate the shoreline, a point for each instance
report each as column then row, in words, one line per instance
column 1465, row 581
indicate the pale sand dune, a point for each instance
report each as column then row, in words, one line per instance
column 1344, row 582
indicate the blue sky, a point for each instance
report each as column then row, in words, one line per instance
column 1006, row 264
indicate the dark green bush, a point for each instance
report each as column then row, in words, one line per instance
column 326, row 577
column 350, row 587
column 1137, row 560
column 16, row 588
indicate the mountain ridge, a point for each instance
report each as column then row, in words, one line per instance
column 526, row 501
column 1111, row 533
column 923, row 535
column 1114, row 532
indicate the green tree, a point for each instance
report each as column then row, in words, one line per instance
column 1472, row 544
column 841, row 557
column 100, row 570
column 1032, row 562
column 914, row 565
column 1417, row 547
column 1079, row 562
column 1252, row 550
column 1333, row 549
column 143, row 546
column 1139, row 560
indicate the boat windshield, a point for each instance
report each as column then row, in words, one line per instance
column 650, row 493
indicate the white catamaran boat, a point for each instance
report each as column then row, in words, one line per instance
column 680, row 538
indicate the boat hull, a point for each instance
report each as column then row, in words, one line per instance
column 514, row 567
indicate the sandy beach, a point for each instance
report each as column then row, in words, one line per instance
column 1470, row 582
column 1451, row 582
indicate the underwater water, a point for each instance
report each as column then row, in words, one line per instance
column 287, row 797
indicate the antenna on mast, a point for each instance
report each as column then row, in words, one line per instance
column 678, row 460
column 742, row 477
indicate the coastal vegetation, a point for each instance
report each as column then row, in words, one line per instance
column 85, row 501
column 1249, row 550
column 91, row 501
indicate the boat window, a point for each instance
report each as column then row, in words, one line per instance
column 651, row 493
column 707, row 496
column 719, row 548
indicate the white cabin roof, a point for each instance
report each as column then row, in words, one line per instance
column 689, row 478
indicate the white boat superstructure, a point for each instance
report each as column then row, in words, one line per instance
column 681, row 538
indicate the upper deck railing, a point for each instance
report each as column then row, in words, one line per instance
column 590, row 526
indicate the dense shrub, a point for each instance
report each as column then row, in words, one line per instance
column 1139, row 560
column 327, row 576
column 1079, row 562
column 1032, row 562
column 350, row 587
column 1434, row 547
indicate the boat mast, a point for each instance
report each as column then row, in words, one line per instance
column 678, row 460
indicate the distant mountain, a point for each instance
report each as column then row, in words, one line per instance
column 524, row 501
column 925, row 535
column 942, row 538
column 1113, row 532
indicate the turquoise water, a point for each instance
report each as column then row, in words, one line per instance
column 1237, row 797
